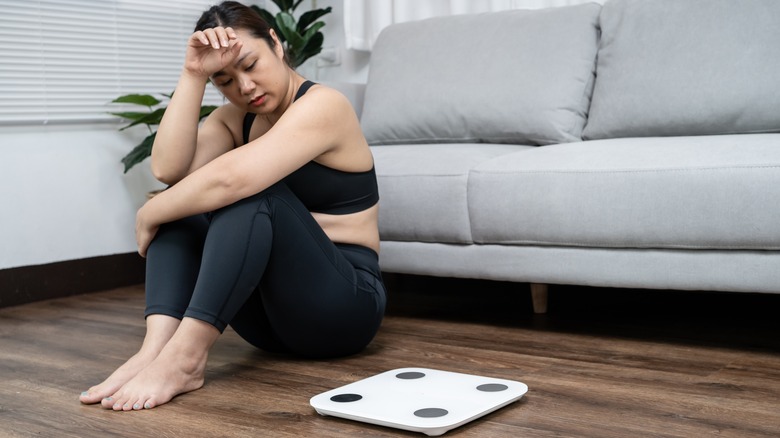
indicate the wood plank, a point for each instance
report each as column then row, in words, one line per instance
column 590, row 373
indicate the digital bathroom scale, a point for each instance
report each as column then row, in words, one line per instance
column 419, row 399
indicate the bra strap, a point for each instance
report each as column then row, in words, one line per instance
column 249, row 118
column 304, row 88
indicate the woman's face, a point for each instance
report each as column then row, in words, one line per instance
column 258, row 78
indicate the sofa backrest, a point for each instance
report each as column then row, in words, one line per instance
column 686, row 67
column 517, row 77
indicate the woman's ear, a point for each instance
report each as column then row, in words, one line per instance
column 278, row 47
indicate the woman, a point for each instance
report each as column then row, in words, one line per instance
column 269, row 223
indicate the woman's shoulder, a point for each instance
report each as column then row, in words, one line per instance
column 325, row 92
column 326, row 101
column 228, row 117
column 228, row 113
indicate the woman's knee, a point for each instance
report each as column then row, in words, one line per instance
column 249, row 205
column 187, row 234
column 264, row 202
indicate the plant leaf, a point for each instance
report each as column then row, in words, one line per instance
column 139, row 153
column 295, row 6
column 313, row 47
column 310, row 17
column 284, row 5
column 137, row 99
column 311, row 31
column 152, row 118
column 130, row 115
column 205, row 110
column 286, row 24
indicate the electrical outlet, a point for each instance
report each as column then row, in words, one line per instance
column 328, row 57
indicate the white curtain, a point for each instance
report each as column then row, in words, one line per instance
column 364, row 19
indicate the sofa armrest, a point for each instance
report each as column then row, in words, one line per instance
column 353, row 90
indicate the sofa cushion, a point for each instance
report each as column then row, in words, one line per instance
column 518, row 77
column 422, row 189
column 707, row 192
column 693, row 67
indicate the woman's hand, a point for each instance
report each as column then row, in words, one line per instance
column 144, row 231
column 211, row 50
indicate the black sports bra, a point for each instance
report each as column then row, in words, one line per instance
column 324, row 189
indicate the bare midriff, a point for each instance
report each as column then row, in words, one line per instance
column 355, row 228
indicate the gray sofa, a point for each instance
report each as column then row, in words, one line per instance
column 634, row 144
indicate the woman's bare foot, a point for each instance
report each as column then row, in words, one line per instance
column 180, row 367
column 122, row 375
column 165, row 378
column 159, row 330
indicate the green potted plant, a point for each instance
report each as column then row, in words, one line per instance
column 151, row 118
column 301, row 39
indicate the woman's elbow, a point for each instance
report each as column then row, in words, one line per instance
column 164, row 175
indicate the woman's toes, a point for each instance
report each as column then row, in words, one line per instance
column 116, row 402
column 88, row 398
column 122, row 405
column 92, row 395
column 107, row 403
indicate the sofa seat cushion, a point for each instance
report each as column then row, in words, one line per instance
column 422, row 189
column 511, row 77
column 705, row 192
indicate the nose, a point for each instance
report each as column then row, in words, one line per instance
column 247, row 85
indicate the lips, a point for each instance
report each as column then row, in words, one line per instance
column 257, row 101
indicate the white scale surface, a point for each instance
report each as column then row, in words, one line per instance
column 419, row 399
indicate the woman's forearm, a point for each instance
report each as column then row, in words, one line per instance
column 202, row 191
column 177, row 136
column 207, row 189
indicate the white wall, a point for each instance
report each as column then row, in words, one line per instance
column 64, row 195
column 352, row 65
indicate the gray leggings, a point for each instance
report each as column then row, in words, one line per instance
column 265, row 267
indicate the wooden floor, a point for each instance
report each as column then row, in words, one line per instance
column 601, row 363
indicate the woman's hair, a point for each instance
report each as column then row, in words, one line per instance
column 238, row 16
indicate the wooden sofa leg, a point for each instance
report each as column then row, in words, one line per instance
column 539, row 297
